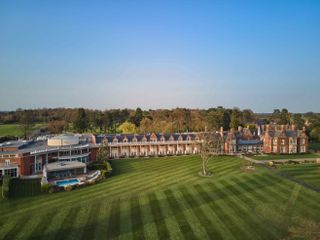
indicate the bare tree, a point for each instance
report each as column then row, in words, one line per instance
column 211, row 146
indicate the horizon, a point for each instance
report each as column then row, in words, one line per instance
column 259, row 55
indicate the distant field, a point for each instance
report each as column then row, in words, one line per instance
column 285, row 156
column 164, row 198
column 309, row 173
column 15, row 129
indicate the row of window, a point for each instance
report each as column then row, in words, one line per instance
column 12, row 172
column 151, row 140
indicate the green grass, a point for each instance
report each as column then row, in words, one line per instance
column 285, row 156
column 164, row 198
column 309, row 173
column 16, row 130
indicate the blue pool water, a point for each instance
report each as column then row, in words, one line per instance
column 68, row 182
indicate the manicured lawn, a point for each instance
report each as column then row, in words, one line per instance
column 309, row 173
column 285, row 156
column 164, row 198
column 15, row 129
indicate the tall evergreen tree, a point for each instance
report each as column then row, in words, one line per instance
column 81, row 122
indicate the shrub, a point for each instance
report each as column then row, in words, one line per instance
column 44, row 187
column 5, row 186
column 51, row 189
column 68, row 188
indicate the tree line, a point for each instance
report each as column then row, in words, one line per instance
column 160, row 120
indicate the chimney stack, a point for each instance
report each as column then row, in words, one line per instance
column 239, row 129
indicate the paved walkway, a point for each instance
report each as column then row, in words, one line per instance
column 284, row 175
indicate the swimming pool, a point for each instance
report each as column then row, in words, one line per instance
column 63, row 183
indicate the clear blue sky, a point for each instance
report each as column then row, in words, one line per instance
column 160, row 54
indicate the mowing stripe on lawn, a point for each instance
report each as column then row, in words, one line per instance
column 176, row 210
column 170, row 221
column 113, row 229
column 44, row 222
column 162, row 230
column 226, row 212
column 149, row 226
column 243, row 209
column 15, row 228
column 103, row 220
column 199, row 212
column 125, row 219
column 197, row 228
column 89, row 229
column 136, row 219
column 67, row 224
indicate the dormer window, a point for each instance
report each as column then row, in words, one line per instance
column 115, row 140
column 180, row 138
column 171, row 138
column 162, row 139
column 134, row 139
column 188, row 138
column 125, row 140
column 144, row 139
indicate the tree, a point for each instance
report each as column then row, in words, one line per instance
column 297, row 120
column 137, row 117
column 236, row 118
column 315, row 134
column 127, row 128
column 81, row 122
column 248, row 116
column 211, row 146
column 146, row 125
column 284, row 117
column 56, row 126
column 103, row 152
column 26, row 122
column 276, row 115
column 5, row 186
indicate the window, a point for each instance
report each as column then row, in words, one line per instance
column 12, row 172
column 7, row 162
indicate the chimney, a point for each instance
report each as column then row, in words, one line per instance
column 221, row 131
column 239, row 129
column 259, row 130
column 283, row 128
column 293, row 127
